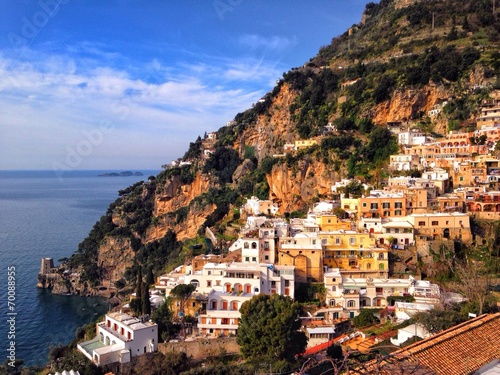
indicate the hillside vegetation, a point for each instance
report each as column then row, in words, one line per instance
column 394, row 66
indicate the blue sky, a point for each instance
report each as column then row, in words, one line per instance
column 127, row 84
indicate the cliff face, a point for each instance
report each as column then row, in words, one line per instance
column 407, row 103
column 294, row 188
column 174, row 196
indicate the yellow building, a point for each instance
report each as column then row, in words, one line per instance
column 350, row 205
column 332, row 222
column 303, row 251
column 303, row 143
column 355, row 254
column 442, row 225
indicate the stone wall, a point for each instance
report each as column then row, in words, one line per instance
column 203, row 348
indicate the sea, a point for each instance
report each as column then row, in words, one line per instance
column 46, row 214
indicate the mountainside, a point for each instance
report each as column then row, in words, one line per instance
column 401, row 60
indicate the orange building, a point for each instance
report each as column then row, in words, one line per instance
column 382, row 204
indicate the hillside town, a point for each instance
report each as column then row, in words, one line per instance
column 366, row 248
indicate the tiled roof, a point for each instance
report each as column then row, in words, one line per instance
column 459, row 350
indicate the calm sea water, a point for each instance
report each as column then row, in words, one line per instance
column 43, row 215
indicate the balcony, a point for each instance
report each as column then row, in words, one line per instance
column 104, row 327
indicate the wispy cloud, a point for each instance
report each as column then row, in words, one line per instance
column 55, row 99
column 273, row 43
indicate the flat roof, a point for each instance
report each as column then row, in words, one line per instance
column 319, row 330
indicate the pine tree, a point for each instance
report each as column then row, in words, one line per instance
column 146, row 304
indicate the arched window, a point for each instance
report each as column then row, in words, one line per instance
column 332, row 302
column 351, row 303
column 246, row 245
column 368, row 266
column 254, row 245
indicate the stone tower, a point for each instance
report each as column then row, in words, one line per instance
column 47, row 266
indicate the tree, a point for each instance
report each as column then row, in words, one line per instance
column 269, row 327
column 163, row 317
column 474, row 282
column 182, row 293
column 365, row 318
column 146, row 304
column 437, row 320
column 335, row 352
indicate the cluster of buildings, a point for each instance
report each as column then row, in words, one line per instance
column 347, row 255
column 350, row 257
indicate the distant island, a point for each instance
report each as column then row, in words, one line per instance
column 121, row 174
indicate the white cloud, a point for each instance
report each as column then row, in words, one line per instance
column 50, row 102
column 273, row 43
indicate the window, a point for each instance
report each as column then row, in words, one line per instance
column 352, row 240
column 421, row 223
column 337, row 240
column 266, row 245
column 387, row 213
column 379, row 290
column 254, row 245
column 374, row 206
column 247, row 259
column 435, row 223
column 398, row 205
column 209, row 283
column 334, row 288
column 266, row 257
column 254, row 259
column 396, row 230
column 386, row 205
column 364, row 204
column 245, row 245
column 351, row 303
column 397, row 213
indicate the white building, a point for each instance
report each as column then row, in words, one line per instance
column 411, row 137
column 352, row 294
column 404, row 162
column 228, row 286
column 257, row 245
column 120, row 337
column 255, row 206
column 406, row 333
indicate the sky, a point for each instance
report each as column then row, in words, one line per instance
column 127, row 84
